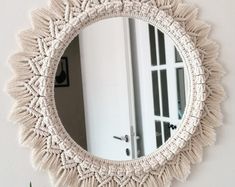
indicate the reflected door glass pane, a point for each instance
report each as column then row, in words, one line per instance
column 164, row 89
column 156, row 93
column 180, row 91
column 178, row 57
column 152, row 42
column 161, row 47
column 167, row 130
column 158, row 129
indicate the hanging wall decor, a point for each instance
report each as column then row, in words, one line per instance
column 41, row 129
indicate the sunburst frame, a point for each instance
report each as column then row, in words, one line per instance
column 33, row 89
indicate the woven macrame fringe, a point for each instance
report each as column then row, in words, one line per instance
column 59, row 6
column 92, row 181
column 33, row 43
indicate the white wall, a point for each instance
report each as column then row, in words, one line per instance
column 15, row 167
column 218, row 167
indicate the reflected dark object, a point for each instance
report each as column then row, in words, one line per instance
column 62, row 74
column 173, row 127
column 128, row 152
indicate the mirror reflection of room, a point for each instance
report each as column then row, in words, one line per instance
column 124, row 90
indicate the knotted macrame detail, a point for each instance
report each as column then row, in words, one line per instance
column 33, row 89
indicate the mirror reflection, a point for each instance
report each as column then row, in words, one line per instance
column 121, row 88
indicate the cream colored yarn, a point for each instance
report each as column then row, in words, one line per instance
column 33, row 89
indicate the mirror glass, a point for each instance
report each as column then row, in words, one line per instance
column 121, row 88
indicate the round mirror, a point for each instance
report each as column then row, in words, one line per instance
column 121, row 88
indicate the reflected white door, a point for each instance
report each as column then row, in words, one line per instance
column 108, row 89
column 159, row 83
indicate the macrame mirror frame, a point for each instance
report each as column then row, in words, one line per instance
column 32, row 87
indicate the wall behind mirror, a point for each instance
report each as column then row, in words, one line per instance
column 121, row 88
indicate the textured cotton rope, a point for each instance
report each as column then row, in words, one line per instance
column 41, row 129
